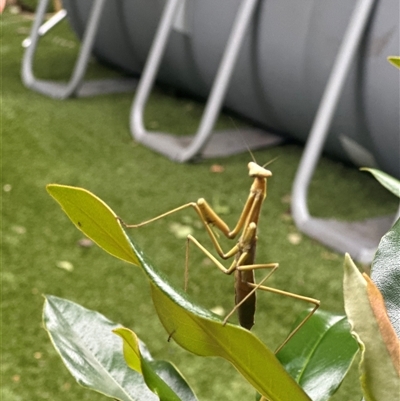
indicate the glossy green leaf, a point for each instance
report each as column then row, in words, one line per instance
column 386, row 273
column 157, row 374
column 379, row 378
column 319, row 356
column 91, row 351
column 389, row 182
column 95, row 219
column 202, row 333
column 194, row 328
column 395, row 60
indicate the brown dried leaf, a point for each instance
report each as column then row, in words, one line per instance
column 217, row 168
column 385, row 327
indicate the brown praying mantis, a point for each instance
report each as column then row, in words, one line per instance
column 243, row 252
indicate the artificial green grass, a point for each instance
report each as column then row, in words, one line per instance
column 86, row 142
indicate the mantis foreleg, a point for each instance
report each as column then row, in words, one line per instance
column 209, row 218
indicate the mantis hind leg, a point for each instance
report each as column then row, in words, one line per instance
column 313, row 301
column 245, row 303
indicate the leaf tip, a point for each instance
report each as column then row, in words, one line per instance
column 394, row 60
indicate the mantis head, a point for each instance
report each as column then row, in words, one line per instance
column 257, row 171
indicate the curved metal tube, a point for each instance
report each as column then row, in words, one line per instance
column 163, row 142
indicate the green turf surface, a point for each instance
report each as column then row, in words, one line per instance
column 86, row 142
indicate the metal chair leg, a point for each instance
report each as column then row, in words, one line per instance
column 75, row 86
column 182, row 149
column 360, row 239
column 47, row 26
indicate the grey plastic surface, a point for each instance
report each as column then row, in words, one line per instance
column 112, row 42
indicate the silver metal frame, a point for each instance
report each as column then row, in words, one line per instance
column 75, row 86
column 47, row 26
column 359, row 239
column 183, row 149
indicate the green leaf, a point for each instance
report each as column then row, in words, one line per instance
column 91, row 352
column 386, row 273
column 195, row 329
column 379, row 378
column 395, row 60
column 95, row 219
column 202, row 333
column 155, row 373
column 319, row 356
column 389, row 182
